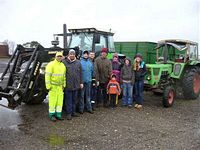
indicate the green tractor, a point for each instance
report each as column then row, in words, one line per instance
column 176, row 71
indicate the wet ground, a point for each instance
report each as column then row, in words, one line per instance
column 153, row 127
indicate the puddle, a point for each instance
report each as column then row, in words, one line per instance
column 55, row 140
column 9, row 119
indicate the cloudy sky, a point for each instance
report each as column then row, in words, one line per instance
column 131, row 20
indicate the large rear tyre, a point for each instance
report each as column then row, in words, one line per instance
column 191, row 83
column 39, row 92
column 168, row 96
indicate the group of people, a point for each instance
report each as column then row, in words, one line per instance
column 82, row 85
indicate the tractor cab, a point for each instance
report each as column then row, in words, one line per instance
column 90, row 39
column 170, row 51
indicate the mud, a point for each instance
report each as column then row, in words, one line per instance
column 152, row 127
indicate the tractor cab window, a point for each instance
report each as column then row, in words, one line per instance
column 193, row 52
column 101, row 44
column 82, row 40
column 111, row 45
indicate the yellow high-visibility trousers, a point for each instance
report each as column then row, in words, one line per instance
column 56, row 96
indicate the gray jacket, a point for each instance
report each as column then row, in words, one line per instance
column 127, row 73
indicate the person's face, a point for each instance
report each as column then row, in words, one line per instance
column 115, row 58
column 138, row 59
column 85, row 55
column 127, row 62
column 92, row 55
column 103, row 54
column 59, row 58
column 71, row 56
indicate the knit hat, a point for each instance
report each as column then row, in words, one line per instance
column 138, row 55
column 72, row 52
column 113, row 75
column 104, row 50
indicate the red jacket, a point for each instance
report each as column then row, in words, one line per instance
column 113, row 87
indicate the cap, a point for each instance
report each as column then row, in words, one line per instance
column 104, row 50
column 59, row 54
column 86, row 51
column 72, row 52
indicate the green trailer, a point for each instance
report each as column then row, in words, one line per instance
column 131, row 48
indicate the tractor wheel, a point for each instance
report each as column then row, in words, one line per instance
column 191, row 83
column 39, row 92
column 168, row 96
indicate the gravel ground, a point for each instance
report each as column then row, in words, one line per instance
column 153, row 127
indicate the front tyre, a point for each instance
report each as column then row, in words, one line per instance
column 168, row 96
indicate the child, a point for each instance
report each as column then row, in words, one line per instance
column 113, row 89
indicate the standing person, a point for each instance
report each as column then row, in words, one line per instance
column 87, row 72
column 55, row 81
column 116, row 67
column 103, row 70
column 140, row 71
column 113, row 89
column 93, row 92
column 74, row 83
column 127, row 80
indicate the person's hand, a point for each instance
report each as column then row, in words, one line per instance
column 81, row 85
column 97, row 83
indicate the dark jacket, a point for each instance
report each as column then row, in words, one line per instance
column 74, row 74
column 141, row 72
column 127, row 73
column 102, row 69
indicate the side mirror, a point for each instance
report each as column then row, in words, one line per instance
column 96, row 38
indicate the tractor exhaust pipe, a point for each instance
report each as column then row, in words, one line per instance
column 64, row 36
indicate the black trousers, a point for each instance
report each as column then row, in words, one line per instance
column 102, row 96
column 113, row 98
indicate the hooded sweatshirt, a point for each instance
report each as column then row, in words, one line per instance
column 127, row 73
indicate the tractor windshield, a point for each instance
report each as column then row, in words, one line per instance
column 82, row 40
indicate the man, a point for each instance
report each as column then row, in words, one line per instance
column 87, row 73
column 93, row 92
column 74, row 83
column 103, row 70
column 55, row 81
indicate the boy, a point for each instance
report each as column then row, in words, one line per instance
column 113, row 89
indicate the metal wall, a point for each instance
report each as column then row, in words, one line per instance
column 4, row 51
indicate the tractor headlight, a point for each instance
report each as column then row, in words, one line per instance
column 148, row 77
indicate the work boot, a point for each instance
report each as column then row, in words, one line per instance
column 60, row 118
column 52, row 118
column 91, row 112
column 81, row 112
column 69, row 117
column 75, row 115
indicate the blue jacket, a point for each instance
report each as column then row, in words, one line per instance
column 87, row 70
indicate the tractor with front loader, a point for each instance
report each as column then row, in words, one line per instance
column 176, row 71
column 23, row 77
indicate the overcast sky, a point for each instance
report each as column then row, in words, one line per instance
column 131, row 20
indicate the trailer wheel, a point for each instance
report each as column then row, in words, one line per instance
column 168, row 96
column 191, row 83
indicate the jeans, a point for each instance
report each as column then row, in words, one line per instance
column 85, row 92
column 139, row 87
column 102, row 94
column 127, row 94
column 70, row 101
